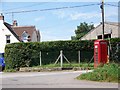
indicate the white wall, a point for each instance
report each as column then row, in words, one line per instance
column 109, row 29
column 34, row 37
column 3, row 32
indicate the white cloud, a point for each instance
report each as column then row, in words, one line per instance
column 53, row 35
column 50, row 36
column 73, row 15
column 76, row 16
column 111, row 12
column 96, row 24
column 39, row 18
column 60, row 13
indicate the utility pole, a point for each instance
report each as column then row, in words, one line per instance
column 102, row 8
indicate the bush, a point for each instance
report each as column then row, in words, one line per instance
column 108, row 73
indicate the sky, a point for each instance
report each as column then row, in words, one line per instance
column 55, row 19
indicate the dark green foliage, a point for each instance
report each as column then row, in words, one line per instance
column 28, row 54
column 115, row 49
column 81, row 30
column 108, row 73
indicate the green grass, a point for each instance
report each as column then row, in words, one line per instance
column 107, row 73
column 10, row 70
column 67, row 65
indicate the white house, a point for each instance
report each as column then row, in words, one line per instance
column 7, row 35
column 14, row 33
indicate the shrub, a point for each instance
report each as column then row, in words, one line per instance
column 108, row 73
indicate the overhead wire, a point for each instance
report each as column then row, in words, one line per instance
column 49, row 9
column 56, row 8
column 26, row 6
column 111, row 5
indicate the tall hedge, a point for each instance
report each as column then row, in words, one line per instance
column 27, row 54
column 115, row 49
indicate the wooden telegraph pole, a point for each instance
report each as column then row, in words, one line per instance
column 102, row 8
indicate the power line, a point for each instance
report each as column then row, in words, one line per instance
column 112, row 5
column 26, row 6
column 49, row 9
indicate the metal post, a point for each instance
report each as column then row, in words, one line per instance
column 61, row 58
column 79, row 57
column 40, row 59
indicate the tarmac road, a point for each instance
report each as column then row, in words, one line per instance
column 59, row 79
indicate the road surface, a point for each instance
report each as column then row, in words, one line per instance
column 59, row 79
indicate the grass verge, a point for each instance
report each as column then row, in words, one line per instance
column 10, row 70
column 107, row 73
column 67, row 65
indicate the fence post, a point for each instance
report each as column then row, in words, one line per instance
column 61, row 58
column 117, row 47
column 40, row 59
column 79, row 57
column 108, row 57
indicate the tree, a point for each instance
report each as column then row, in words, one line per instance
column 81, row 30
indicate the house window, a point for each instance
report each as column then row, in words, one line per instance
column 29, row 39
column 99, row 37
column 25, row 37
column 105, row 36
column 7, row 39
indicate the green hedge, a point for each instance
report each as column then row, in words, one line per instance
column 115, row 49
column 27, row 54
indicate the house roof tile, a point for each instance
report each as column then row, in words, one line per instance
column 20, row 29
column 11, row 30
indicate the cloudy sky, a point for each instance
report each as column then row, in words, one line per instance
column 58, row 20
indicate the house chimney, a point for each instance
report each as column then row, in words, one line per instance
column 15, row 23
column 1, row 17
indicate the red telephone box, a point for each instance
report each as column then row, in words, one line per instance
column 100, row 52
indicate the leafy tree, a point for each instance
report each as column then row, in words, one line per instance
column 81, row 30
